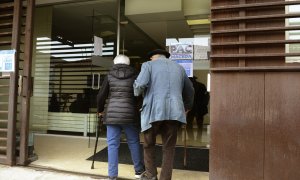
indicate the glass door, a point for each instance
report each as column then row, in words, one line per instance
column 105, row 40
column 71, row 41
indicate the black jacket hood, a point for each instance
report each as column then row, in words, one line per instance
column 122, row 71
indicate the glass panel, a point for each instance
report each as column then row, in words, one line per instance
column 293, row 35
column 66, row 81
column 184, row 32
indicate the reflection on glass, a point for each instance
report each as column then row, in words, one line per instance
column 293, row 35
column 65, row 85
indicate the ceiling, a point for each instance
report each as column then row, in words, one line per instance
column 141, row 29
column 169, row 19
column 166, row 19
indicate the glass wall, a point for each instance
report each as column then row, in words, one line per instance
column 66, row 77
column 293, row 35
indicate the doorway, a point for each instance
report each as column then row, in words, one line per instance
column 68, row 70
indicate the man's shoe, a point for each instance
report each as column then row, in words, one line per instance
column 145, row 176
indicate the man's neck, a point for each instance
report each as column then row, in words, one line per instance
column 157, row 56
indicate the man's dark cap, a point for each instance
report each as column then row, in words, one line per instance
column 158, row 51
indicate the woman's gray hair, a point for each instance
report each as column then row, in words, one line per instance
column 121, row 59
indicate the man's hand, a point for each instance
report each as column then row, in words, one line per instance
column 100, row 114
column 187, row 111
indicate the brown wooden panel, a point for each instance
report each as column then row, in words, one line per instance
column 222, row 63
column 259, row 62
column 282, row 126
column 262, row 36
column 224, row 3
column 225, row 25
column 256, row 16
column 242, row 31
column 237, row 126
column 266, row 11
column 258, row 69
column 257, row 4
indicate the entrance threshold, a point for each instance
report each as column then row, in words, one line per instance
column 70, row 153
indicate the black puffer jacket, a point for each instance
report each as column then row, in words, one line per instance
column 121, row 105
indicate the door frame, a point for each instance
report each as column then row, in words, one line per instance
column 19, row 82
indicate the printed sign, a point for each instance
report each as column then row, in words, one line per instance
column 201, row 52
column 98, row 43
column 7, row 60
column 181, row 51
column 187, row 65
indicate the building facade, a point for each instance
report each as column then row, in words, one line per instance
column 246, row 52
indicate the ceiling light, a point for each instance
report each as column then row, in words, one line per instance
column 48, row 42
column 72, row 55
column 109, row 48
column 107, row 53
column 110, row 44
column 67, row 50
column 83, row 45
column 43, row 39
column 53, row 47
column 198, row 22
column 74, row 59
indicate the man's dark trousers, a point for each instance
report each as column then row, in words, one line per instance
column 168, row 130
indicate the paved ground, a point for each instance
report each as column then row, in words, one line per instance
column 25, row 173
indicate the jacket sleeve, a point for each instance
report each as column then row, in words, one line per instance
column 102, row 95
column 141, row 83
column 188, row 93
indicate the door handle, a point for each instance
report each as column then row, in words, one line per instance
column 20, row 87
column 98, row 81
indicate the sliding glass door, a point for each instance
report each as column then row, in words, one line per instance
column 71, row 43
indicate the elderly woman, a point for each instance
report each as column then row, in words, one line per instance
column 120, row 113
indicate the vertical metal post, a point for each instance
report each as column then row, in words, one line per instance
column 27, row 90
column 118, row 25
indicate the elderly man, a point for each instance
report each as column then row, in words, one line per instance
column 168, row 96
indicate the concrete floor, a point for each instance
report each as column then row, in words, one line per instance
column 69, row 153
column 25, row 173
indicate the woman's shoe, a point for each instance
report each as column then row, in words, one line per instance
column 112, row 178
column 138, row 174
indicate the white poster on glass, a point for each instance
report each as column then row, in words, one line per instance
column 7, row 60
column 98, row 43
column 181, row 51
column 187, row 65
